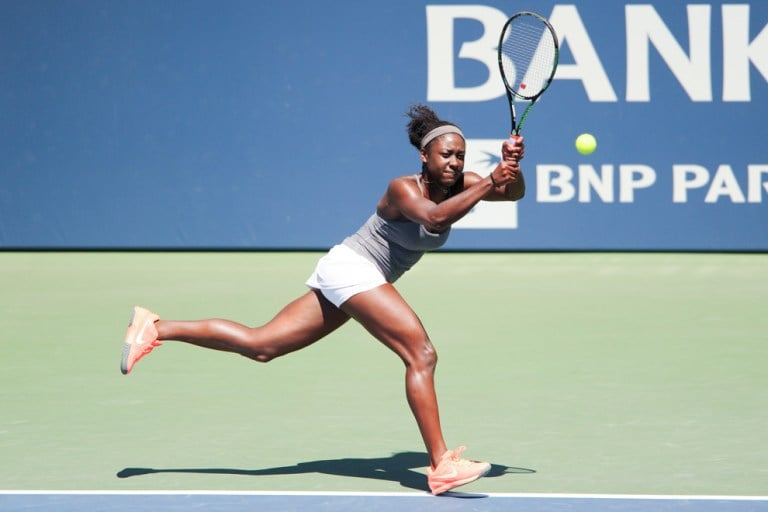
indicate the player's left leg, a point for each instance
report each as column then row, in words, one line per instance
column 299, row 324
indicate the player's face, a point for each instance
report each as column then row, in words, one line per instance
column 444, row 158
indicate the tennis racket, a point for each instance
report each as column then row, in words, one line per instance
column 528, row 55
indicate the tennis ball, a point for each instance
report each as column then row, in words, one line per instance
column 586, row 143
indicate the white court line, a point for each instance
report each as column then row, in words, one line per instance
column 671, row 497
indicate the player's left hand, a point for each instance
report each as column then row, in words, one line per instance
column 513, row 151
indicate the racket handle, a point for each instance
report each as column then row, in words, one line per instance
column 515, row 139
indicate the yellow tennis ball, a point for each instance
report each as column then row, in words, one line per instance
column 586, row 143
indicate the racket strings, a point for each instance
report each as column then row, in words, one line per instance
column 528, row 53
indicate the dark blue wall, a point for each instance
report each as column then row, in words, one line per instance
column 243, row 124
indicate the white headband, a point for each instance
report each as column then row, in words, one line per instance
column 440, row 130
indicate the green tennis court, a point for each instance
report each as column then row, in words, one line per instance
column 571, row 373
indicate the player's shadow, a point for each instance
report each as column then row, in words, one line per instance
column 400, row 468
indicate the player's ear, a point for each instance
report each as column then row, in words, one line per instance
column 423, row 155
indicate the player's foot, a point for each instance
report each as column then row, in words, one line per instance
column 453, row 471
column 140, row 338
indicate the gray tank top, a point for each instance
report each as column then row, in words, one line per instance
column 394, row 246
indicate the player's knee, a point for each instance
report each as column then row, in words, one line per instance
column 261, row 354
column 262, row 357
column 425, row 358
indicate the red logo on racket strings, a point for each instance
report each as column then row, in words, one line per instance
column 522, row 86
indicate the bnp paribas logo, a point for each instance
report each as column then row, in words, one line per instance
column 483, row 155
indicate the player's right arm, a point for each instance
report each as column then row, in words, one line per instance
column 404, row 200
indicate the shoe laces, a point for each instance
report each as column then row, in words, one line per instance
column 453, row 457
column 147, row 348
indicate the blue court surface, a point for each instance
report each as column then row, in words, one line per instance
column 13, row 501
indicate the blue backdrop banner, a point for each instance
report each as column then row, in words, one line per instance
column 277, row 125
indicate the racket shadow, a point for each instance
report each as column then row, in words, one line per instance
column 405, row 468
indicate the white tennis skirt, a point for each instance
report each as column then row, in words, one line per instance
column 342, row 273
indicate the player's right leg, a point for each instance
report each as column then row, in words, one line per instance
column 299, row 324
column 386, row 315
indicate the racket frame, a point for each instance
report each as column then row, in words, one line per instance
column 512, row 94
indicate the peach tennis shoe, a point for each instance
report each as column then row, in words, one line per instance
column 453, row 471
column 140, row 338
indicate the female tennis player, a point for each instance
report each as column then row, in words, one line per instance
column 355, row 280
